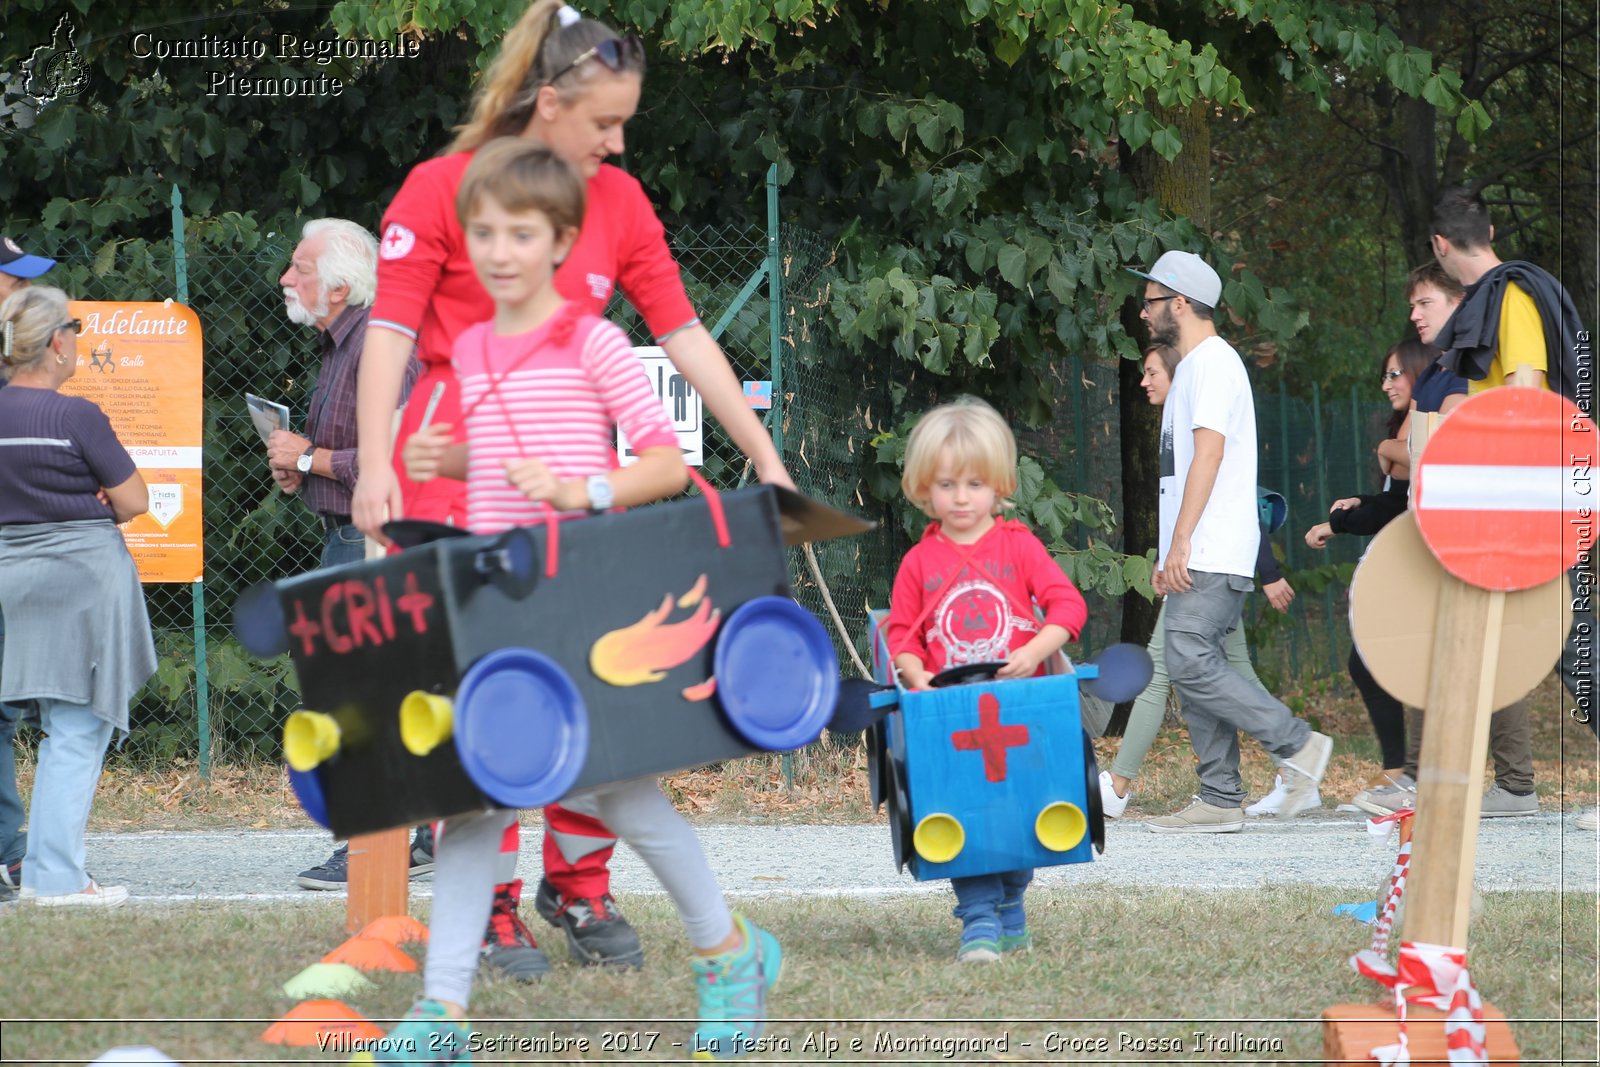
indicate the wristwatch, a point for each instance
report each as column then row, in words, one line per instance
column 601, row 498
column 303, row 464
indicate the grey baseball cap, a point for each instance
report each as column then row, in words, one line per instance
column 1187, row 274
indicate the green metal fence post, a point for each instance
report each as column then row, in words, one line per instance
column 775, row 307
column 1288, row 542
column 180, row 270
column 775, row 370
column 1080, row 476
column 1356, row 484
column 1328, row 623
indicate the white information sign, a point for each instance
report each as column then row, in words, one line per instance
column 682, row 404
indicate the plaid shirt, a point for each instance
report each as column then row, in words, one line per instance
column 331, row 418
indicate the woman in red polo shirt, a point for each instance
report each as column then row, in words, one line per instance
column 570, row 83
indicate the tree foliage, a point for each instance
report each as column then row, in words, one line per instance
column 965, row 159
column 1344, row 214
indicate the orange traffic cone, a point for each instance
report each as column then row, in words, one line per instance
column 371, row 954
column 322, row 1023
column 396, row 929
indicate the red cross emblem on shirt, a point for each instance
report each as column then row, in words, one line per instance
column 990, row 738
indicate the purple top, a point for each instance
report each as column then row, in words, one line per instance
column 331, row 418
column 56, row 453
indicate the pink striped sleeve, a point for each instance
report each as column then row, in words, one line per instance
column 625, row 388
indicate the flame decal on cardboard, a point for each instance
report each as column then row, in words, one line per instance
column 703, row 691
column 645, row 651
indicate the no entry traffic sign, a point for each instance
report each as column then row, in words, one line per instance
column 1505, row 492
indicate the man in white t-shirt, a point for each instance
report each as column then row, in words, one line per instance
column 1209, row 532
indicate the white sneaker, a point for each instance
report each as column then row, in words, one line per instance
column 1269, row 804
column 1110, row 803
column 95, row 896
column 1589, row 820
column 1302, row 776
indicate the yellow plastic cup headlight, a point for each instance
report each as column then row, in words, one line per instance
column 309, row 738
column 1060, row 826
column 939, row 838
column 427, row 721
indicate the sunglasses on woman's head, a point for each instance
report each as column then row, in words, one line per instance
column 75, row 325
column 617, row 53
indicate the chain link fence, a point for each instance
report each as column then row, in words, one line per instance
column 827, row 406
column 1312, row 450
column 232, row 710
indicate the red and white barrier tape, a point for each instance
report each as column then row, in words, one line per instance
column 1432, row 975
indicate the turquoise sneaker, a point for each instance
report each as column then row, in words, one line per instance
column 980, row 939
column 426, row 1035
column 733, row 990
column 1014, row 936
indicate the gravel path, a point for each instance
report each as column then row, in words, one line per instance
column 1544, row 852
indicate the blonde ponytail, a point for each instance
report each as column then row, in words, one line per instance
column 543, row 44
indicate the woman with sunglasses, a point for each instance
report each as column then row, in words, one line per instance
column 79, row 645
column 1364, row 516
column 569, row 83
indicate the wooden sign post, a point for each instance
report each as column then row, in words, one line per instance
column 380, row 863
column 378, row 883
column 1450, row 767
column 1497, row 495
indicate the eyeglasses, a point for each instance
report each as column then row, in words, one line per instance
column 1156, row 300
column 75, row 325
column 1390, row 375
column 618, row 54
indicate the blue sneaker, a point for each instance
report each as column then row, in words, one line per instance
column 733, row 990
column 426, row 1035
column 980, row 939
column 1014, row 936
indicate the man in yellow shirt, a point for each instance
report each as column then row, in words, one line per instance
column 1517, row 325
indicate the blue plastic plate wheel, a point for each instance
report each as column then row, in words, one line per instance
column 1125, row 670
column 308, row 791
column 522, row 730
column 258, row 621
column 777, row 674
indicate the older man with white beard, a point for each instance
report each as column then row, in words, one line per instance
column 330, row 285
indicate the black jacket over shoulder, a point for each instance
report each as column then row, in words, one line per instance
column 1472, row 336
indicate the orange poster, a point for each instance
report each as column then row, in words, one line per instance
column 141, row 363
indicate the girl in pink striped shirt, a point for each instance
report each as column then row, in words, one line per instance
column 542, row 389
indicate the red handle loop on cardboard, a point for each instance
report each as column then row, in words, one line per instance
column 719, row 521
column 552, row 542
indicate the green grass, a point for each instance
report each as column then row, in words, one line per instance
column 1151, row 964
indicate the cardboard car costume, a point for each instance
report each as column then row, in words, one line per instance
column 984, row 777
column 508, row 670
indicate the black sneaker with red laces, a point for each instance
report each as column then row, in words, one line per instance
column 596, row 931
column 509, row 950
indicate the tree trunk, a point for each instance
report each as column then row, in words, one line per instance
column 1410, row 168
column 1181, row 187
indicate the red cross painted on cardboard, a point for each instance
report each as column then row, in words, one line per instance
column 990, row 738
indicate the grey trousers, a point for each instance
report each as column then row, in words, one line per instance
column 1219, row 702
column 1144, row 721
